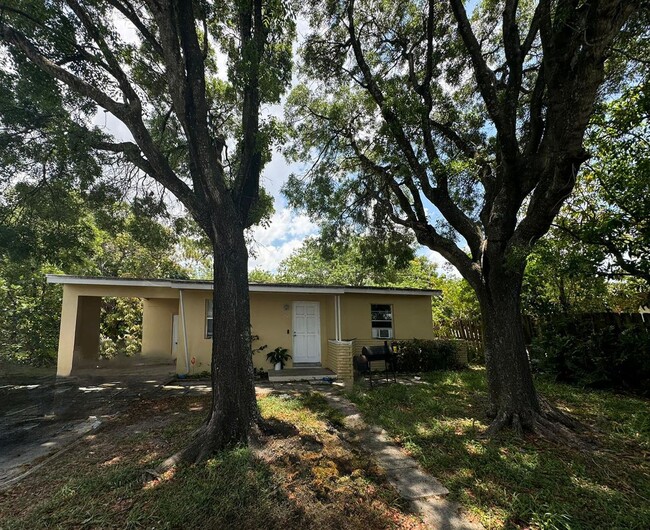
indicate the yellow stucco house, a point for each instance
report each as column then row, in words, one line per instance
column 321, row 326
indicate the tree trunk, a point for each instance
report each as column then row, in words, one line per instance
column 234, row 413
column 513, row 399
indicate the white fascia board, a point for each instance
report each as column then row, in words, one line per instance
column 290, row 289
column 199, row 286
column 78, row 280
column 407, row 292
column 255, row 288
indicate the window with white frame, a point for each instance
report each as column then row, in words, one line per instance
column 209, row 320
column 381, row 317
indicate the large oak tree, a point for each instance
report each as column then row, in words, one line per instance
column 466, row 128
column 153, row 65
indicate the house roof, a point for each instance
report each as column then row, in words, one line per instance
column 253, row 287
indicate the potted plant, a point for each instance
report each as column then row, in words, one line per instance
column 278, row 357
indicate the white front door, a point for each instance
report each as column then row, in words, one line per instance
column 174, row 335
column 306, row 332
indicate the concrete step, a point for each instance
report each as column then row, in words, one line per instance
column 300, row 374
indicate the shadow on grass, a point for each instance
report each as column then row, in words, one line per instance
column 512, row 483
column 298, row 485
column 317, row 404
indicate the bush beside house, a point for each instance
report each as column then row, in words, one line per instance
column 420, row 355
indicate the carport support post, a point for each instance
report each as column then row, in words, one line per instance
column 67, row 332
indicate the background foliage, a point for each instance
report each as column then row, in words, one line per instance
column 50, row 228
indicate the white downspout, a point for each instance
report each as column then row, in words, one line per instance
column 187, row 353
column 338, row 317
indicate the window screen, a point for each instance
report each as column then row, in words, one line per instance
column 381, row 316
column 209, row 320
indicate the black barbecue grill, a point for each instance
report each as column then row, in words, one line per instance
column 371, row 354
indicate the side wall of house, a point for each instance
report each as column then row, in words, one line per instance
column 411, row 316
column 157, row 318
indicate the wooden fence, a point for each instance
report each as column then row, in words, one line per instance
column 470, row 330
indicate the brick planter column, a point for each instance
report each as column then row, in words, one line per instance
column 340, row 358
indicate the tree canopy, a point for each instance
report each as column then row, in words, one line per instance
column 465, row 127
column 358, row 260
column 50, row 228
column 609, row 209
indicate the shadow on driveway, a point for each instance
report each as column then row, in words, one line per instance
column 41, row 414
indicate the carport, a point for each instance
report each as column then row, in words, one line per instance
column 80, row 319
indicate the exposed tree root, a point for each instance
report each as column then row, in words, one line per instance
column 205, row 442
column 549, row 423
column 202, row 446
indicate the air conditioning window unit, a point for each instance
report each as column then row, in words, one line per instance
column 385, row 333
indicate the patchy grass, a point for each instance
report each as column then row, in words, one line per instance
column 308, row 478
column 530, row 483
column 15, row 373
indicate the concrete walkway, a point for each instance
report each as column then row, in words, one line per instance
column 425, row 493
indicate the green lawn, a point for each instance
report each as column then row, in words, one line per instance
column 530, row 483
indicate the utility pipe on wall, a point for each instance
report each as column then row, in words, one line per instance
column 187, row 353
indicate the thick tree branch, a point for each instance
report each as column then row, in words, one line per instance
column 186, row 82
column 439, row 196
column 113, row 64
column 485, row 78
column 536, row 114
column 167, row 178
column 375, row 91
column 533, row 29
column 253, row 39
column 20, row 41
column 514, row 61
column 573, row 71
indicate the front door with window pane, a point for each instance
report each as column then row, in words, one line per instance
column 306, row 332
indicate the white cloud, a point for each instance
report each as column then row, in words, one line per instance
column 285, row 234
column 276, row 173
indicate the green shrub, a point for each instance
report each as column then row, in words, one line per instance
column 609, row 357
column 419, row 355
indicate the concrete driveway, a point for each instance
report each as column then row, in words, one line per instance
column 40, row 414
